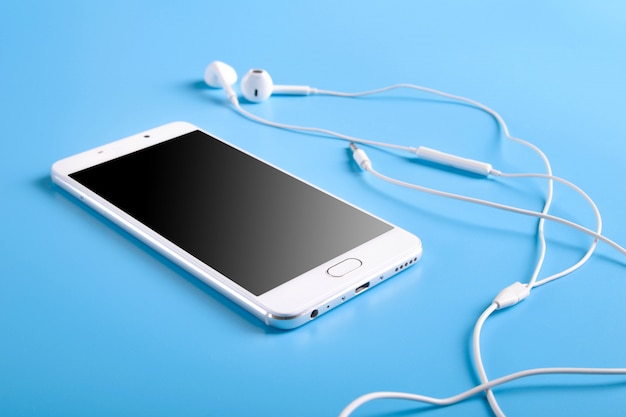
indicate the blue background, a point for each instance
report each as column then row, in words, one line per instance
column 92, row 322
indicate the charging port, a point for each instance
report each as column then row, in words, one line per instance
column 362, row 288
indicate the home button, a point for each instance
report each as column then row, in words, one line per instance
column 344, row 267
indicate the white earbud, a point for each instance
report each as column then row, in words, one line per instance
column 221, row 75
column 257, row 86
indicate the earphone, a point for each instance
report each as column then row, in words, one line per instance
column 257, row 86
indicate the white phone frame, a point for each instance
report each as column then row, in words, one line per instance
column 287, row 306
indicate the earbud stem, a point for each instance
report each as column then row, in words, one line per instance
column 228, row 89
column 220, row 67
column 296, row 90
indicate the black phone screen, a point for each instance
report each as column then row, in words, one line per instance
column 249, row 221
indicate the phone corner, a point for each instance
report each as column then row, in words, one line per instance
column 287, row 323
column 55, row 172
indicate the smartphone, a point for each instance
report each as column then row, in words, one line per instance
column 279, row 247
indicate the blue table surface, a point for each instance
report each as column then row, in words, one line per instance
column 92, row 322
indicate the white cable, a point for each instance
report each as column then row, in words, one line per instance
column 442, row 402
column 321, row 131
column 533, row 283
column 504, row 207
column 478, row 360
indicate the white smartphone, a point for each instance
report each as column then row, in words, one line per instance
column 279, row 247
